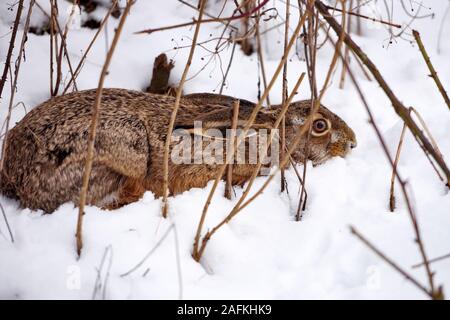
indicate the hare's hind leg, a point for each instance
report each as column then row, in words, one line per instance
column 130, row 191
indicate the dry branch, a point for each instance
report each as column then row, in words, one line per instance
column 16, row 77
column 399, row 108
column 234, row 122
column 200, row 21
column 356, row 14
column 392, row 263
column 431, row 68
column 11, row 46
column 7, row 223
column 394, row 169
column 284, row 94
column 446, row 256
column 175, row 110
column 93, row 128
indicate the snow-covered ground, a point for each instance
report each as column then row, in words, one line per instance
column 262, row 253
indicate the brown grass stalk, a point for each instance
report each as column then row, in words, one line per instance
column 260, row 56
column 433, row 72
column 284, row 94
column 397, row 156
column 179, row 91
column 346, row 49
column 394, row 169
column 93, row 127
column 312, row 47
column 234, row 122
column 440, row 258
column 11, row 46
column 16, row 77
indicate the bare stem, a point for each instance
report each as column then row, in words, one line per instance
column 16, row 77
column 431, row 68
column 234, row 122
column 394, row 169
column 11, row 46
column 284, row 94
column 389, row 261
column 175, row 110
column 93, row 128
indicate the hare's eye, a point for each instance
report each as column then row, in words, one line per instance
column 320, row 126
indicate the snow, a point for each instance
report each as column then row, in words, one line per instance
column 262, row 253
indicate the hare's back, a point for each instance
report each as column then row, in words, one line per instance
column 58, row 131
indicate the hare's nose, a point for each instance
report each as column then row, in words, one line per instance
column 352, row 144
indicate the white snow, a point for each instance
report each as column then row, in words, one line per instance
column 262, row 253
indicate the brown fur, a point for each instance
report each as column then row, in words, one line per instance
column 45, row 151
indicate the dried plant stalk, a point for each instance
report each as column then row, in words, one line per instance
column 175, row 110
column 284, row 94
column 89, row 47
column 93, row 128
column 16, row 77
column 431, row 68
column 11, row 46
column 394, row 265
column 234, row 121
column 394, row 170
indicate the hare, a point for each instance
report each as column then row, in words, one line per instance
column 45, row 152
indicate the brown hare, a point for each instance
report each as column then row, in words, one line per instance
column 45, row 151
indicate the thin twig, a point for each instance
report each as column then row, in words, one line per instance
column 94, row 38
column 432, row 260
column 431, row 68
column 390, row 262
column 200, row 21
column 16, row 77
column 11, row 46
column 394, row 170
column 346, row 50
column 234, row 122
column 284, row 94
column 175, row 111
column 259, row 51
column 152, row 250
column 366, row 17
column 93, row 128
column 228, row 68
column 7, row 223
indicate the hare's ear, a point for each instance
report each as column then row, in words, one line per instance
column 219, row 120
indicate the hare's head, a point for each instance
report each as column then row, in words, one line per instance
column 330, row 135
